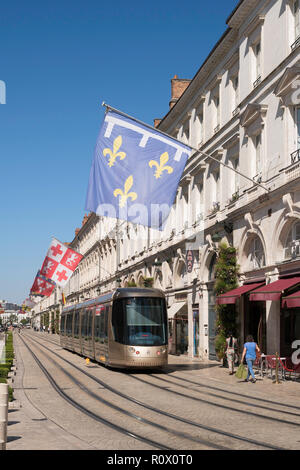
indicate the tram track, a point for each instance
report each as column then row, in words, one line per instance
column 218, row 389
column 89, row 413
column 209, row 429
column 245, row 396
column 145, row 421
column 218, row 405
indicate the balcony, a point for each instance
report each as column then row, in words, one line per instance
column 295, row 44
column 257, row 82
column 215, row 208
column 295, row 156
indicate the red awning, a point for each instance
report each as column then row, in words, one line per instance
column 274, row 290
column 291, row 301
column 231, row 296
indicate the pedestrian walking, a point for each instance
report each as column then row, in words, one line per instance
column 44, row 328
column 250, row 349
column 231, row 352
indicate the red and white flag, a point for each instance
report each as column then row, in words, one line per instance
column 60, row 263
column 42, row 286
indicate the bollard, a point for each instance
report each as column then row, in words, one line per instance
column 3, row 415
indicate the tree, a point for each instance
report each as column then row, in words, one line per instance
column 226, row 279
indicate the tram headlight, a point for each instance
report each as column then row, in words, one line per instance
column 131, row 349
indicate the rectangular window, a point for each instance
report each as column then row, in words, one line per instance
column 69, row 324
column 140, row 321
column 235, row 165
column 257, row 51
column 297, row 18
column 217, row 181
column 84, row 320
column 199, row 125
column 186, row 132
column 235, row 84
column 258, row 153
column 62, row 324
column 76, row 325
column 217, row 103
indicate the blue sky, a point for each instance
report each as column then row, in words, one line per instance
column 60, row 60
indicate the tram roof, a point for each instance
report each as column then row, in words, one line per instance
column 120, row 292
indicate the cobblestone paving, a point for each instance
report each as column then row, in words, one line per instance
column 213, row 399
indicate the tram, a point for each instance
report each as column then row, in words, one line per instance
column 126, row 328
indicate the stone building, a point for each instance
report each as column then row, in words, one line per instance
column 243, row 108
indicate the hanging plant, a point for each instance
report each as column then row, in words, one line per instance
column 226, row 279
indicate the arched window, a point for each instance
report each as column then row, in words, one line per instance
column 256, row 255
column 292, row 245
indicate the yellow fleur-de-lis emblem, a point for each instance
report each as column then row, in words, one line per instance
column 125, row 194
column 161, row 166
column 114, row 153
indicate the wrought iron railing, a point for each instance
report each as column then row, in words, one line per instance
column 296, row 43
column 295, row 156
column 257, row 82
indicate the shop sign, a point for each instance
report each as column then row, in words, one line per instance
column 189, row 261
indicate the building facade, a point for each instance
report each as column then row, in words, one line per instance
column 242, row 108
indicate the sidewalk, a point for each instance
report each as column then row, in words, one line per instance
column 213, row 370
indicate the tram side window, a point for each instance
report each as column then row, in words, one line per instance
column 76, row 325
column 69, row 324
column 89, row 323
column 62, row 325
column 118, row 321
column 101, row 324
column 84, row 324
column 106, row 322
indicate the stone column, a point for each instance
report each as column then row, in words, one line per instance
column 190, row 325
column 273, row 318
column 273, row 326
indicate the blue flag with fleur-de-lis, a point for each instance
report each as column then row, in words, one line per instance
column 135, row 172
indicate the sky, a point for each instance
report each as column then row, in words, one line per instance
column 60, row 60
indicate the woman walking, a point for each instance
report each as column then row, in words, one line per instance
column 231, row 350
column 250, row 349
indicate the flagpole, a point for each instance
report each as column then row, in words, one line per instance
column 187, row 145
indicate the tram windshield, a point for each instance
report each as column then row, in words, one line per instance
column 140, row 321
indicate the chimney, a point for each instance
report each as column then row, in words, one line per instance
column 77, row 230
column 85, row 218
column 178, row 86
column 157, row 122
